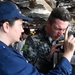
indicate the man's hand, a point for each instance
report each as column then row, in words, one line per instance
column 55, row 49
column 69, row 45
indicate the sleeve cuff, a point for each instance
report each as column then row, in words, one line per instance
column 65, row 64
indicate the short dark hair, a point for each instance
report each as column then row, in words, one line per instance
column 10, row 21
column 60, row 13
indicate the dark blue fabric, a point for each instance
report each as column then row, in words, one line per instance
column 12, row 63
column 9, row 10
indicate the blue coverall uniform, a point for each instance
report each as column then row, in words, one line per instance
column 12, row 63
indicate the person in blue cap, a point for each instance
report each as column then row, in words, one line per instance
column 11, row 61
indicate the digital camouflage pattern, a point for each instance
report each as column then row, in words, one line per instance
column 36, row 51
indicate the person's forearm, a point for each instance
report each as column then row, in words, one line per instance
column 63, row 67
column 68, row 56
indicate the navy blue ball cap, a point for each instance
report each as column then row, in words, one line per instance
column 9, row 10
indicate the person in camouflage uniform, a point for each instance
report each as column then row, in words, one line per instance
column 39, row 49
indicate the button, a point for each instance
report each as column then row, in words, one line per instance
column 3, row 46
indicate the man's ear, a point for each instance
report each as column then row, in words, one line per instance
column 48, row 23
column 6, row 26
